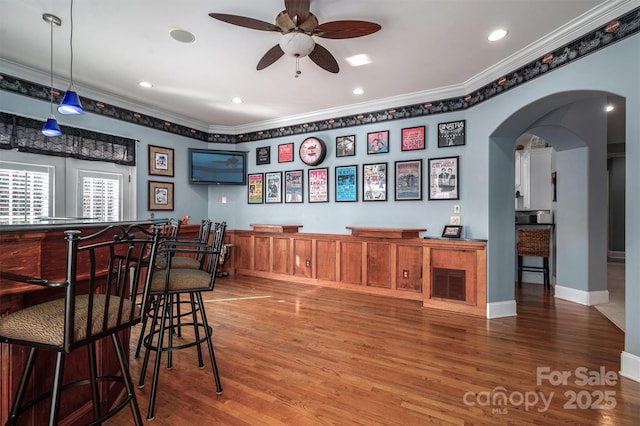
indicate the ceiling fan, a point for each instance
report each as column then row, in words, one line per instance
column 298, row 26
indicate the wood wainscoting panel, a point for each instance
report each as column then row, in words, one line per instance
column 409, row 268
column 281, row 253
column 302, row 258
column 351, row 262
column 242, row 251
column 325, row 260
column 262, row 253
column 378, row 257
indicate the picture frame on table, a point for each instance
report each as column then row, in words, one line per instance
column 285, row 153
column 263, row 155
column 408, row 180
column 374, row 182
column 452, row 231
column 255, row 185
column 160, row 161
column 346, row 182
column 161, row 196
column 378, row 142
column 346, row 146
column 293, row 186
column 444, row 178
column 273, row 187
column 318, row 181
column 414, row 138
column 452, row 133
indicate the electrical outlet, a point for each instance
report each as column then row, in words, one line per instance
column 308, row 263
column 454, row 220
column 405, row 273
column 456, row 209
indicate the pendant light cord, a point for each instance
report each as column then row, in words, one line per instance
column 51, row 70
column 71, row 41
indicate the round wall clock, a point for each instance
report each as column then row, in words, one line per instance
column 312, row 151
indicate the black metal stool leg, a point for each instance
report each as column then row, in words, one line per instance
column 22, row 386
column 519, row 271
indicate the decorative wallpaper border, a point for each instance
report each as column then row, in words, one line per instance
column 616, row 30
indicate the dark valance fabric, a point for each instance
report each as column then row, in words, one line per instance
column 25, row 134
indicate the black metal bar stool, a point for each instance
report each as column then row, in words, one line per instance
column 534, row 243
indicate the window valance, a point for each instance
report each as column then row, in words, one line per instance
column 25, row 134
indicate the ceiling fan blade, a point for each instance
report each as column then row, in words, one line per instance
column 297, row 8
column 270, row 57
column 324, row 59
column 243, row 21
column 309, row 25
column 346, row 29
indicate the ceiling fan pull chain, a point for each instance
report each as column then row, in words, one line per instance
column 298, row 72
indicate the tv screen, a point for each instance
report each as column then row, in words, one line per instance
column 213, row 167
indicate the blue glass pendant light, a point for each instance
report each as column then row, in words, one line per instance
column 71, row 101
column 51, row 127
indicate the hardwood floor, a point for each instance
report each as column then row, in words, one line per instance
column 301, row 355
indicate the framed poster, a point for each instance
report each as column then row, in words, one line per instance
column 160, row 195
column 378, row 142
column 451, row 133
column 160, row 161
column 408, row 179
column 285, row 153
column 263, row 155
column 374, row 182
column 346, row 146
column 444, row 178
column 293, row 189
column 255, row 181
column 273, row 187
column 414, row 138
column 318, row 185
column 346, row 183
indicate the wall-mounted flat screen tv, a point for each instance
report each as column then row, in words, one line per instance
column 215, row 167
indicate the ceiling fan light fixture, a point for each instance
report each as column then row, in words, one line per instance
column 297, row 44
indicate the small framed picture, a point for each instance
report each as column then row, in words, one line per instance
column 374, row 182
column 346, row 183
column 444, row 179
column 293, row 189
column 378, row 142
column 160, row 195
column 255, row 181
column 414, row 138
column 408, row 180
column 318, row 185
column 273, row 187
column 346, row 146
column 263, row 155
column 451, row 133
column 285, row 153
column 160, row 161
column 452, row 231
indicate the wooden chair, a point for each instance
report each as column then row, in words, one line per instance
column 534, row 243
column 99, row 301
column 166, row 285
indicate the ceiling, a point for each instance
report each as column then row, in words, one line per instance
column 426, row 50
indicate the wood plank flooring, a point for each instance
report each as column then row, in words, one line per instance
column 302, row 355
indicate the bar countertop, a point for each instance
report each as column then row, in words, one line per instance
column 64, row 223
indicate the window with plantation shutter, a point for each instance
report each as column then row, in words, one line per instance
column 101, row 195
column 26, row 192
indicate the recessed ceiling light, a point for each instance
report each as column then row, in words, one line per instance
column 183, row 36
column 497, row 34
column 145, row 84
column 358, row 91
column 609, row 108
column 237, row 100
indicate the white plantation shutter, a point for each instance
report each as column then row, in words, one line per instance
column 101, row 195
column 25, row 192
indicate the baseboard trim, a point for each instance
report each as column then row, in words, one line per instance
column 501, row 309
column 630, row 366
column 582, row 297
